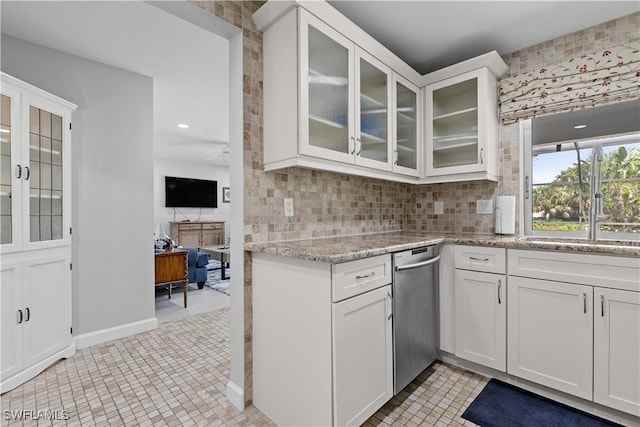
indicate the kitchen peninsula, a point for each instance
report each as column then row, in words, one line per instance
column 310, row 296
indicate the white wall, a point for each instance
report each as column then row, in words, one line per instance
column 112, row 188
column 168, row 167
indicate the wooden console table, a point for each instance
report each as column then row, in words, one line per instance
column 196, row 234
column 171, row 267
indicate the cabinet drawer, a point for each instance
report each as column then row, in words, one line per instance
column 214, row 226
column 187, row 226
column 607, row 271
column 356, row 277
column 477, row 258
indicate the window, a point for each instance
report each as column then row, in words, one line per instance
column 558, row 153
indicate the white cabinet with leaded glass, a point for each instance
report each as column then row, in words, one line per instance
column 35, row 232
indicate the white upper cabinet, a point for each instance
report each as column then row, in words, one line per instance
column 335, row 99
column 327, row 125
column 408, row 147
column 345, row 97
column 332, row 104
column 462, row 127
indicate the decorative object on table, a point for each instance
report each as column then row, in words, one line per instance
column 162, row 241
column 503, row 405
column 226, row 195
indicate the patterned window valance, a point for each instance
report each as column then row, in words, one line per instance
column 590, row 80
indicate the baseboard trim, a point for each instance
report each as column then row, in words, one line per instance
column 235, row 395
column 114, row 333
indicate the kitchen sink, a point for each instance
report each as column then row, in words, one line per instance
column 573, row 241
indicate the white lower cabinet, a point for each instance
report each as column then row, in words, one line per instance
column 480, row 305
column 362, row 356
column 36, row 317
column 481, row 318
column 319, row 359
column 616, row 349
column 550, row 334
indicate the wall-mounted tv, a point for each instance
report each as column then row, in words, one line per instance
column 190, row 193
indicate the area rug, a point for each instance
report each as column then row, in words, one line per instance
column 214, row 281
column 503, row 405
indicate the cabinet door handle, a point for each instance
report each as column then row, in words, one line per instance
column 28, row 171
column 390, row 306
column 359, row 147
column 602, row 305
column 499, row 290
column 373, row 273
column 481, row 159
column 479, row 259
column 18, row 171
column 28, row 314
column 20, row 317
column 353, row 144
column 584, row 299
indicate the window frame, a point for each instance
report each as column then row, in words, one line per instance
column 526, row 216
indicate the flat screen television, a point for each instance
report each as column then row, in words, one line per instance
column 190, row 193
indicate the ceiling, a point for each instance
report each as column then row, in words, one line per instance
column 189, row 64
column 429, row 35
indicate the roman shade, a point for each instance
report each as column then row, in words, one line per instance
column 606, row 76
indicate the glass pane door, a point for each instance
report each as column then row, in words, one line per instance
column 374, row 109
column 455, row 125
column 6, row 219
column 45, row 175
column 328, row 93
column 407, row 128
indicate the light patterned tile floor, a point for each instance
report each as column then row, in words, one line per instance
column 176, row 375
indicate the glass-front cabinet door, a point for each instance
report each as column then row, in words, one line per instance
column 454, row 129
column 345, row 99
column 35, row 179
column 326, row 93
column 45, row 178
column 8, row 128
column 405, row 124
column 373, row 121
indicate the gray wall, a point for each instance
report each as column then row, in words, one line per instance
column 112, row 188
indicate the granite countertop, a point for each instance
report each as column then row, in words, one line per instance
column 349, row 248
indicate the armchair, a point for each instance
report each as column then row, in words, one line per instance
column 197, row 266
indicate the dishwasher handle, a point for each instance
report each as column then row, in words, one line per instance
column 418, row 264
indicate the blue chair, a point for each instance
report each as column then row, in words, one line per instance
column 197, row 266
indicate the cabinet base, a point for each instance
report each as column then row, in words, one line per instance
column 32, row 371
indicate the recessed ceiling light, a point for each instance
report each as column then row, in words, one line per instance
column 580, row 126
column 183, row 126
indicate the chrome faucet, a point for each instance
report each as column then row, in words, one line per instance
column 595, row 210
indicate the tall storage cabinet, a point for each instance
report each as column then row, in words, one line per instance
column 35, row 232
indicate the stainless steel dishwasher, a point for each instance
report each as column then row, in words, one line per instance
column 415, row 313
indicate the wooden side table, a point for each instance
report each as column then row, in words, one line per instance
column 171, row 267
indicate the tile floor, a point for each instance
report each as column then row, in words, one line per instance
column 176, row 375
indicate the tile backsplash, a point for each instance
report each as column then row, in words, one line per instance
column 328, row 204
